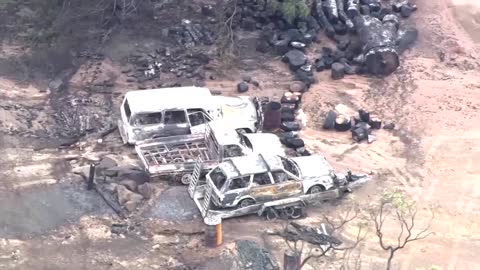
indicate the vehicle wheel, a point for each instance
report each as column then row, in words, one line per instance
column 330, row 120
column 186, row 178
column 271, row 214
column 246, row 202
column 297, row 213
column 316, row 189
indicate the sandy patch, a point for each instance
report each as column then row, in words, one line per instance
column 467, row 12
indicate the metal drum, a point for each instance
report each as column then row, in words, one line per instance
column 272, row 116
column 213, row 231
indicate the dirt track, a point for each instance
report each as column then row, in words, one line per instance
column 434, row 155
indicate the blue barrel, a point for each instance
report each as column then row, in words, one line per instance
column 272, row 117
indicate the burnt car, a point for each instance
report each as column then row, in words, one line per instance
column 253, row 179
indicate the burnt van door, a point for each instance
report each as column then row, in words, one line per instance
column 176, row 123
column 262, row 189
column 286, row 185
column 198, row 120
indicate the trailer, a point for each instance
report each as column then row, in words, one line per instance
column 175, row 156
column 290, row 208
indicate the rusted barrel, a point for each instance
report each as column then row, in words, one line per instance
column 213, row 231
column 272, row 117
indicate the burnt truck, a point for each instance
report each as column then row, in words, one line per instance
column 164, row 112
column 266, row 183
column 176, row 155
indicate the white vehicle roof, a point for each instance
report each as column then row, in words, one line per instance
column 224, row 133
column 251, row 164
column 154, row 100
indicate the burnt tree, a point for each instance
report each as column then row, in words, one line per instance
column 353, row 8
column 406, row 219
column 342, row 15
column 322, row 18
column 297, row 237
column 379, row 44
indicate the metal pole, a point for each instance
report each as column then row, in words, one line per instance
column 91, row 176
column 291, row 260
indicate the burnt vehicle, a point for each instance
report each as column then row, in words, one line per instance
column 176, row 155
column 164, row 112
column 245, row 181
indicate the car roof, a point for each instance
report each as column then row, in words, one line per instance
column 154, row 100
column 251, row 164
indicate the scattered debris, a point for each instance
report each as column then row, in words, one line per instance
column 255, row 257
column 360, row 127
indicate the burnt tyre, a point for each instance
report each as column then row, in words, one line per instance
column 271, row 214
column 343, row 123
column 246, row 202
column 294, row 143
column 316, row 189
column 330, row 120
column 298, row 212
column 186, row 178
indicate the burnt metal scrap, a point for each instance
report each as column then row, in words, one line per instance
column 297, row 232
column 366, row 32
column 361, row 125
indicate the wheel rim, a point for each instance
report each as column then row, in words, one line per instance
column 289, row 211
column 297, row 213
column 186, row 178
column 246, row 202
column 271, row 215
column 316, row 189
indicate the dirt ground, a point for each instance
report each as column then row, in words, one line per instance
column 49, row 221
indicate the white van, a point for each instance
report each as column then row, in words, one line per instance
column 164, row 112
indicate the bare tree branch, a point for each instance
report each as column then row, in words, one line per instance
column 407, row 222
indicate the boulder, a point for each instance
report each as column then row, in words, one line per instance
column 106, row 163
column 83, row 171
column 320, row 65
column 343, row 44
column 407, row 10
column 298, row 45
column 242, row 87
column 247, row 78
column 338, row 71
column 365, row 10
column 280, row 47
column 295, row 58
column 249, row 24
column 127, row 198
column 207, row 10
column 389, row 126
column 130, row 184
column 57, row 85
column 305, row 74
column 147, row 190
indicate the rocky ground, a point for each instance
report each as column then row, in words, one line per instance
column 50, row 221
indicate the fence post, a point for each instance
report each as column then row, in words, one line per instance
column 91, row 176
column 291, row 260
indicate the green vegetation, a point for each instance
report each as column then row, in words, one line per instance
column 290, row 9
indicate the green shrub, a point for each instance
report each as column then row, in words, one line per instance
column 290, row 9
